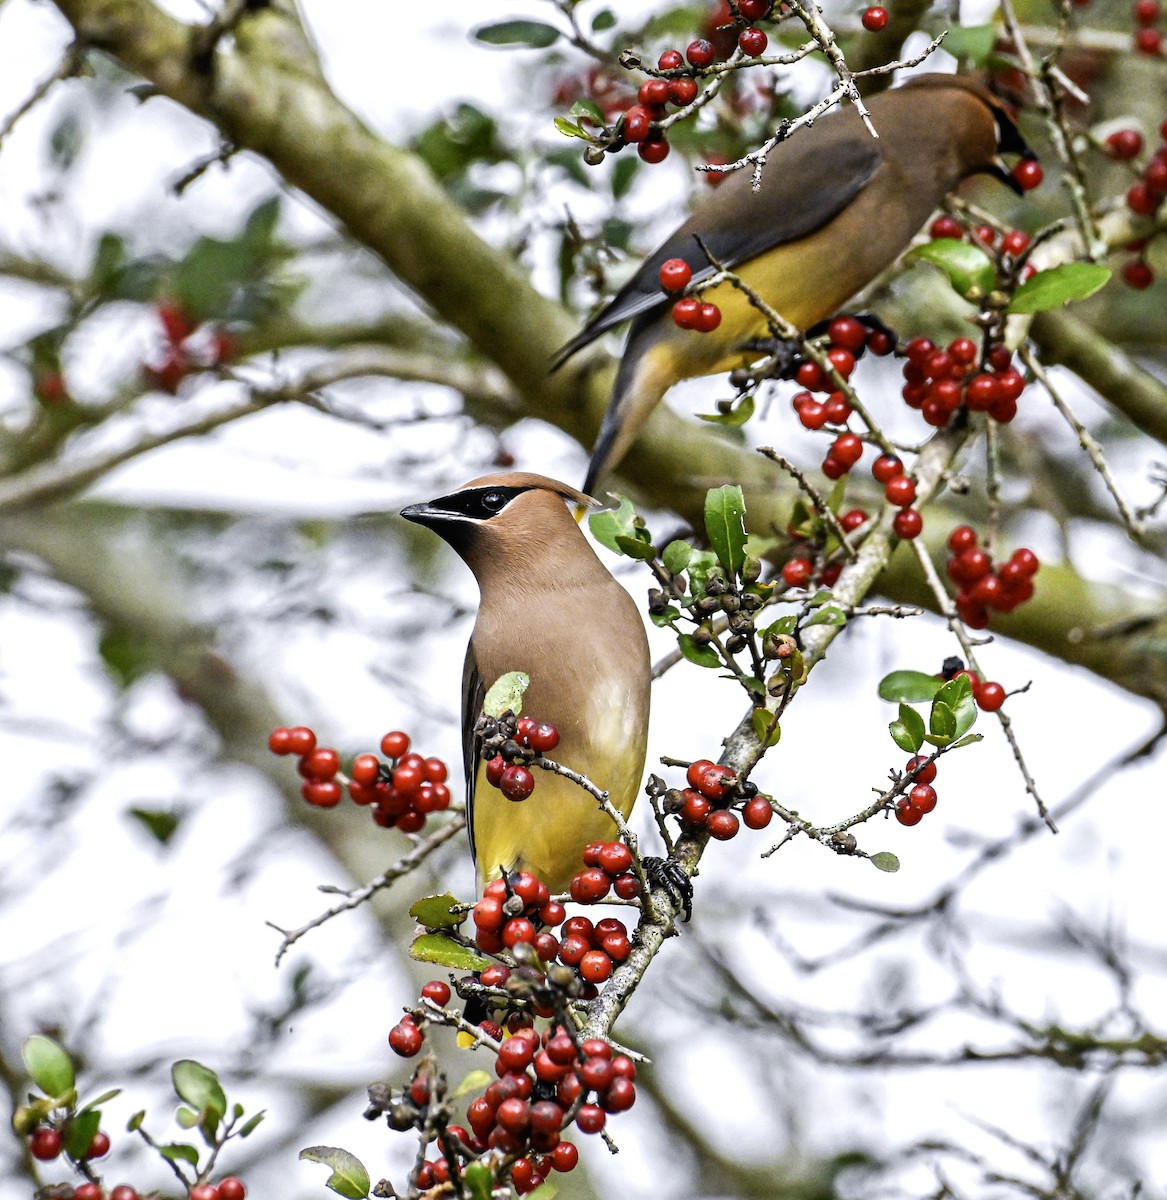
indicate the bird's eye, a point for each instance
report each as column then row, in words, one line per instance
column 494, row 501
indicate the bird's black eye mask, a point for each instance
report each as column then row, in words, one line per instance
column 1009, row 139
column 479, row 504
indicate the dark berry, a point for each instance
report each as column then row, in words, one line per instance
column 517, row 783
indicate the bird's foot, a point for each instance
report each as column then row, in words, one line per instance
column 783, row 357
column 665, row 874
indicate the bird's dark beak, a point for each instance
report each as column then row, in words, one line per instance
column 1009, row 141
column 423, row 514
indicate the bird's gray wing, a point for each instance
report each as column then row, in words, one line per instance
column 807, row 182
column 473, row 698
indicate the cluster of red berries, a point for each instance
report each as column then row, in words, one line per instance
column 607, row 867
column 46, row 1143
column 514, row 779
column 983, row 589
column 1011, row 245
column 179, row 354
column 710, row 799
column 938, row 380
column 401, row 793
column 1148, row 38
column 798, row 572
column 1144, row 196
column 874, row 18
column 541, row 1080
column 920, row 799
column 689, row 312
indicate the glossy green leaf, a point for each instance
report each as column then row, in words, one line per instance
column 604, row 20
column 907, row 730
column 703, row 656
column 971, row 42
column 252, row 1124
column 957, row 695
column 180, row 1152
column 445, row 952
column 1059, row 285
column 676, row 556
column 969, row 269
column 569, row 128
column 761, row 719
column 48, row 1065
column 199, row 1086
column 506, row 694
column 736, row 416
column 437, row 912
column 585, row 107
column 349, row 1177
column 161, row 824
column 104, row 1098
column 665, row 618
column 635, row 547
column 79, row 1132
column 607, row 526
column 885, row 860
column 537, row 35
column 135, row 1122
column 186, row 1117
column 725, row 517
column 829, row 614
column 969, row 739
column 783, row 627
column 941, row 724
column 909, row 687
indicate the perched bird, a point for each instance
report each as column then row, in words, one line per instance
column 550, row 608
column 835, row 208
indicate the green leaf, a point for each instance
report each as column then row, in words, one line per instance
column 725, row 517
column 135, row 1122
column 701, row 562
column 941, row 724
column 474, row 1082
column 907, row 730
column 604, row 20
column 909, row 687
column 252, row 1124
column 885, row 860
column 49, row 1066
column 1058, row 286
column 349, row 1177
column 957, row 695
column 703, row 656
column 676, row 556
column 506, row 694
column 159, row 823
column 585, row 107
column 663, row 620
column 479, row 1180
column 623, row 173
column 545, row 1191
column 199, row 1086
column 537, row 35
column 971, row 42
column 607, row 526
column 736, row 416
column 79, row 1132
column 969, row 739
column 445, row 952
column 437, row 912
column 180, row 1152
column 829, row 614
column 186, row 1117
column 635, row 547
column 104, row 1098
column 570, row 129
column 125, row 656
column 969, row 269
column 761, row 719
column 783, row 627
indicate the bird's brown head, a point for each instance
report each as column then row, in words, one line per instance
column 982, row 123
column 509, row 522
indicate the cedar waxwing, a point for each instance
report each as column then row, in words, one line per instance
column 550, row 608
column 835, row 208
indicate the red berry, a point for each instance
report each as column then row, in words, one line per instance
column 962, row 538
column 590, row 1118
column 927, row 772
column 123, row 1191
column 1124, row 144
column 637, row 124
column 595, row 966
column 715, row 781
column 45, row 1143
column 842, row 360
column 670, row 60
column 946, row 227
column 813, row 415
column 907, row 523
column 405, row 1039
column 754, row 10
column 757, row 813
column 175, row 323
column 516, row 930
column 906, row 814
column 653, row 93
column 922, row 798
column 853, row 519
column 517, row 783
column 683, row 91
column 847, row 448
column 900, row 491
column 1139, row 200
column 675, row 274
column 722, row 825
column 837, row 409
column 809, row 375
column 204, row 1191
column 494, row 769
column 847, row 332
column 797, row 572
column 366, row 768
column 752, row 41
column 615, row 858
column 1148, row 41
column 590, row 886
column 708, row 318
column 279, row 741
column 874, row 19
column 654, row 150
column 99, row 1146
column 685, row 312
column 696, row 770
column 88, row 1191
column 1015, row 242
column 1138, row 275
column 438, row 991
column 989, row 696
column 1027, row 174
column 395, row 744
column 886, row 467
column 627, row 887
column 1146, row 12
column 700, row 53
column 322, row 793
column 595, row 1048
column 565, row 1157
